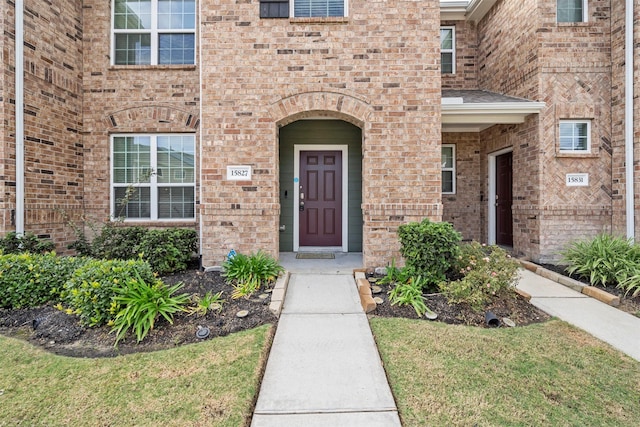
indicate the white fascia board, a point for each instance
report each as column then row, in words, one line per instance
column 453, row 10
column 492, row 108
column 478, row 8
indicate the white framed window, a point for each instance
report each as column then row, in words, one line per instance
column 575, row 136
column 448, row 169
column 448, row 50
column 571, row 11
column 153, row 32
column 153, row 177
column 318, row 8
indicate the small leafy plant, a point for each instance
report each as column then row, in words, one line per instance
column 12, row 243
column 486, row 272
column 142, row 303
column 208, row 302
column 604, row 260
column 409, row 293
column 247, row 273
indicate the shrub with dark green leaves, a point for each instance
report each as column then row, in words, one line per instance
column 166, row 250
column 142, row 302
column 604, row 260
column 30, row 280
column 247, row 273
column 29, row 242
column 429, row 249
column 91, row 290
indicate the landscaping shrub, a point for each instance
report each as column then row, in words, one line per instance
column 91, row 290
column 247, row 273
column 605, row 259
column 143, row 301
column 29, row 242
column 167, row 250
column 429, row 248
column 487, row 272
column 30, row 280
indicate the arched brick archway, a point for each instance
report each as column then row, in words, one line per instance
column 156, row 118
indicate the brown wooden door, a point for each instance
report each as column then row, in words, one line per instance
column 320, row 200
column 504, row 199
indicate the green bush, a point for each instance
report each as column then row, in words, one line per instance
column 143, row 302
column 29, row 280
column 605, row 259
column 429, row 248
column 167, row 250
column 247, row 273
column 487, row 272
column 29, row 242
column 91, row 290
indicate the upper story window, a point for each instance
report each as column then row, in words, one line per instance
column 448, row 50
column 153, row 32
column 153, row 177
column 448, row 169
column 571, row 10
column 575, row 136
column 318, row 8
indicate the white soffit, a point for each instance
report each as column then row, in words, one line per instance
column 460, row 10
column 474, row 117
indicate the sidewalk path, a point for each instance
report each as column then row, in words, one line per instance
column 324, row 368
column 619, row 329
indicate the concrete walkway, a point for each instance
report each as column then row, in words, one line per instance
column 324, row 368
column 619, row 329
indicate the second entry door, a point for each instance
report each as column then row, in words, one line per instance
column 320, row 198
column 504, row 199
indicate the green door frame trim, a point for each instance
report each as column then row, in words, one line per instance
column 297, row 148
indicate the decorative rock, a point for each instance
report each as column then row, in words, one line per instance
column 373, row 279
column 510, row 323
column 378, row 300
column 242, row 313
column 381, row 271
column 376, row 289
column 263, row 296
column 431, row 315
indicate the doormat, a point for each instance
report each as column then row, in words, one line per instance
column 315, row 255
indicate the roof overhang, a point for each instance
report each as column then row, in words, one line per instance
column 475, row 117
column 460, row 10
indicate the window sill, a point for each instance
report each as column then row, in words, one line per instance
column 577, row 155
column 185, row 67
column 574, row 24
column 155, row 222
column 320, row 20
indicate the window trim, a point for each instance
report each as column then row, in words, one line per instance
column 451, row 169
column 585, row 14
column 154, row 33
column 153, row 180
column 575, row 121
column 452, row 50
column 293, row 15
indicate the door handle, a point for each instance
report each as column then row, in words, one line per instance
column 301, row 206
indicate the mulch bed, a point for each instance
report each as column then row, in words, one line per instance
column 62, row 334
column 513, row 307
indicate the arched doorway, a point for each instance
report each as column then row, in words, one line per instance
column 320, row 186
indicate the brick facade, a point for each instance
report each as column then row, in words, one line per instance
column 378, row 69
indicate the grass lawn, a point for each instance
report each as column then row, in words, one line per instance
column 211, row 383
column 544, row 374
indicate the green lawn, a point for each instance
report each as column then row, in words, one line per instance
column 549, row 374
column 211, row 383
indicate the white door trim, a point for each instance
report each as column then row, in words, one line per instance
column 491, row 232
column 297, row 148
